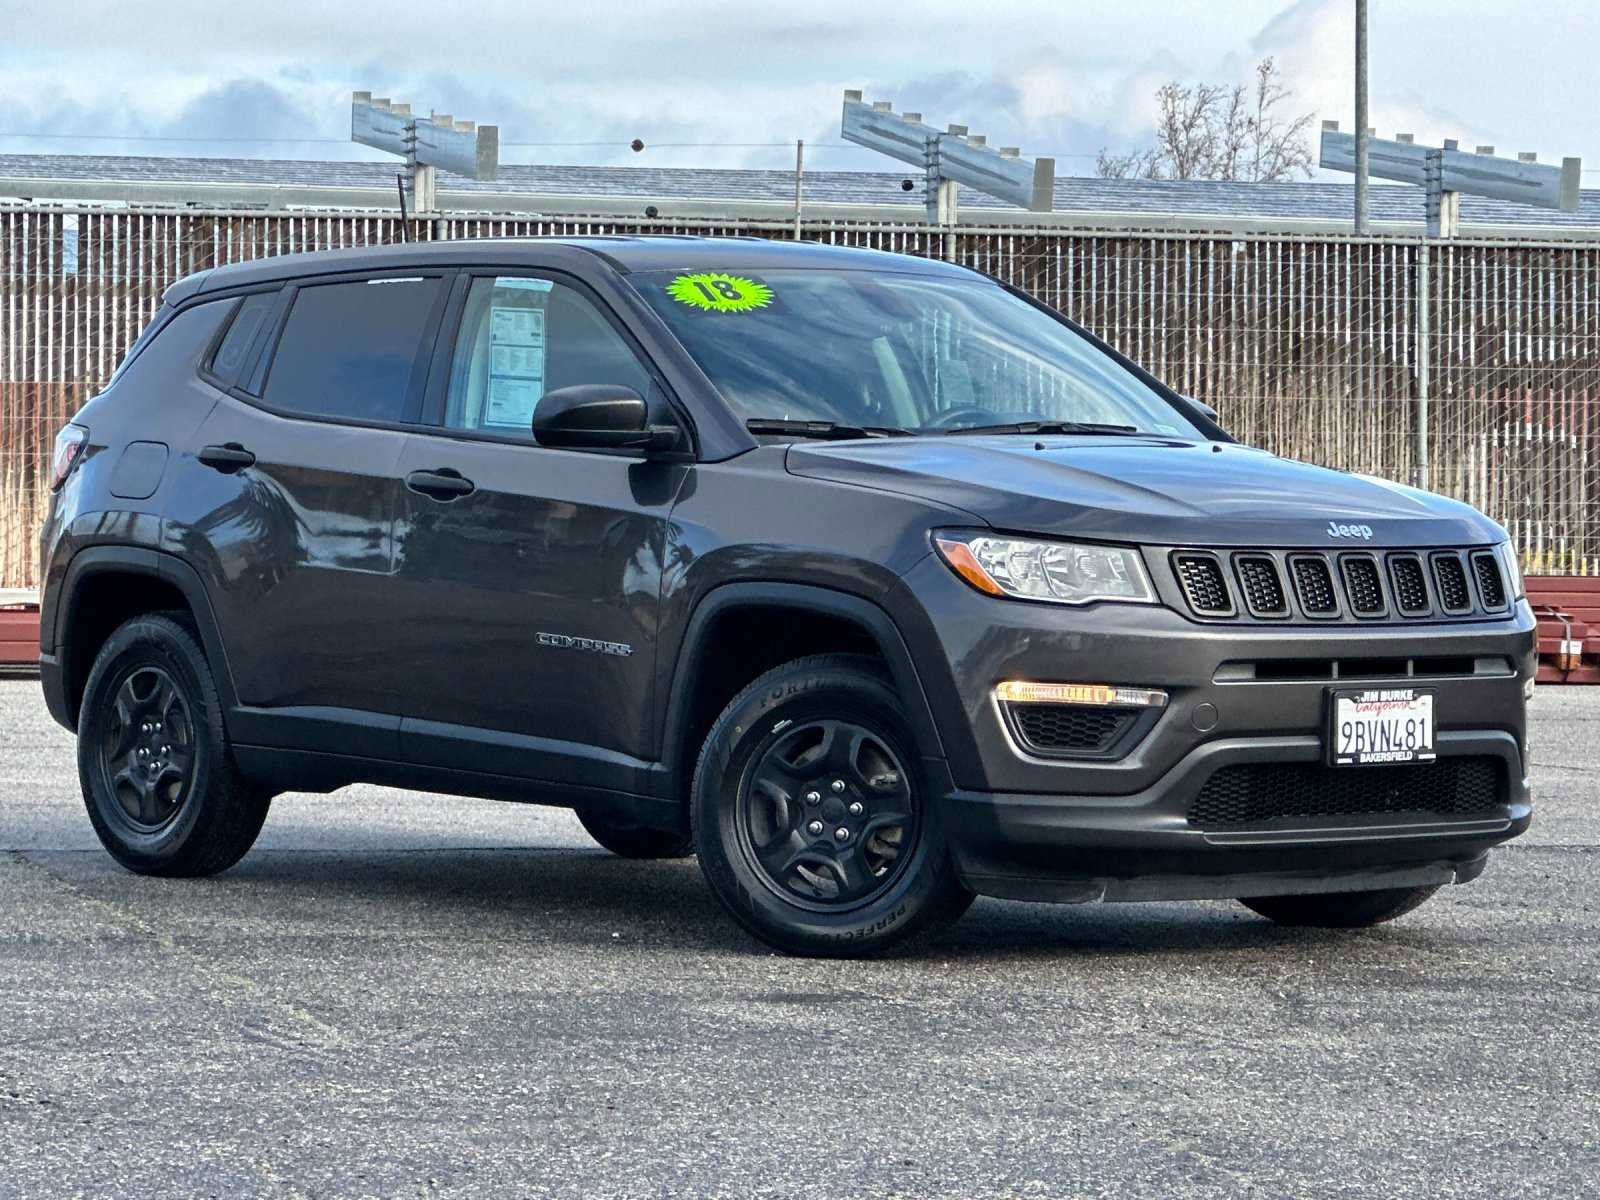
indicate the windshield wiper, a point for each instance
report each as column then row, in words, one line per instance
column 826, row 430
column 1048, row 427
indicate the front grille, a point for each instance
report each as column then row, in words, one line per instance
column 1263, row 590
column 1363, row 584
column 1256, row 795
column 1491, row 588
column 1313, row 585
column 1451, row 580
column 1410, row 584
column 1069, row 728
column 1341, row 586
column 1204, row 584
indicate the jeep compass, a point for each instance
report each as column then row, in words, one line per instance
column 867, row 579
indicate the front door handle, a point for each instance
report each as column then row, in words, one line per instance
column 227, row 458
column 443, row 484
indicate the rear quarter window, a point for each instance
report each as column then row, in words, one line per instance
column 248, row 317
column 177, row 345
column 349, row 350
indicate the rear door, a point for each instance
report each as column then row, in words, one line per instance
column 530, row 576
column 290, row 498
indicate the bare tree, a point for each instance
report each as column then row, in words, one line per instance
column 1213, row 131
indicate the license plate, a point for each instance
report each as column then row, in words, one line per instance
column 1378, row 726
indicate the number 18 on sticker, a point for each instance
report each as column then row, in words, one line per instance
column 716, row 291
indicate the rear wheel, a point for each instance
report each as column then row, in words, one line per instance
column 158, row 779
column 633, row 841
column 812, row 820
column 1339, row 910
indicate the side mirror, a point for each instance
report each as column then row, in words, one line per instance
column 1205, row 410
column 599, row 416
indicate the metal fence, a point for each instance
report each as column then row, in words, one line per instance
column 1470, row 367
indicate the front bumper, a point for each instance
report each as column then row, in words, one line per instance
column 1066, row 830
column 1142, row 847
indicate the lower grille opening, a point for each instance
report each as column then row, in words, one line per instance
column 1254, row 795
column 1057, row 729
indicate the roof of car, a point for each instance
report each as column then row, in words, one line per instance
column 624, row 253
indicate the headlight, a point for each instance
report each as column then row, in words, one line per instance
column 1513, row 569
column 1059, row 572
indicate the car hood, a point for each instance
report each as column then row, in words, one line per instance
column 1156, row 491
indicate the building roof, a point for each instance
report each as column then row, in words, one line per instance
column 759, row 194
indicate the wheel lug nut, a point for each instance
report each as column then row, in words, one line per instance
column 813, row 797
column 857, row 808
column 837, row 785
column 145, row 728
column 814, row 829
column 841, row 834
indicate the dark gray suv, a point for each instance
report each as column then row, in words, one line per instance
column 867, row 579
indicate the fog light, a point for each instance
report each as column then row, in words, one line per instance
column 1014, row 691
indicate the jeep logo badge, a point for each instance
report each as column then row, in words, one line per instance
column 1364, row 532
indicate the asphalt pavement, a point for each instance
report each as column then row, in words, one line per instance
column 398, row 994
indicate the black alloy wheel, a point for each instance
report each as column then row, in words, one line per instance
column 147, row 748
column 827, row 814
column 813, row 817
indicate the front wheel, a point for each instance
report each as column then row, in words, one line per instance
column 812, row 819
column 1339, row 910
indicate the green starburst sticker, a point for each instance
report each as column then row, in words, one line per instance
column 715, row 291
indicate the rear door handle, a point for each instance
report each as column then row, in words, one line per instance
column 443, row 484
column 227, row 458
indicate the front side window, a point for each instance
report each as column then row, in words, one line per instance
column 348, row 350
column 521, row 337
column 903, row 351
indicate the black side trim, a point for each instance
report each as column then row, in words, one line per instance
column 685, row 671
column 134, row 560
column 315, row 771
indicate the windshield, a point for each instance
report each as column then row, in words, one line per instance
column 899, row 352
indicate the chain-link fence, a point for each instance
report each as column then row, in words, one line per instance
column 1320, row 348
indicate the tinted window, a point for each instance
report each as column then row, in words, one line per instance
column 905, row 350
column 522, row 337
column 229, row 358
column 348, row 348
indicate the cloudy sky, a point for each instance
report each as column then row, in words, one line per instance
column 576, row 82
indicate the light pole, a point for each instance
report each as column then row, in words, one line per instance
column 1363, row 222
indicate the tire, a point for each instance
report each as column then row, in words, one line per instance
column 1339, row 910
column 767, row 818
column 633, row 841
column 167, row 799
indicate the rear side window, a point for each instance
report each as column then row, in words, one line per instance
column 349, row 349
column 229, row 359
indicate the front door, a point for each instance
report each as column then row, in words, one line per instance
column 530, row 577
